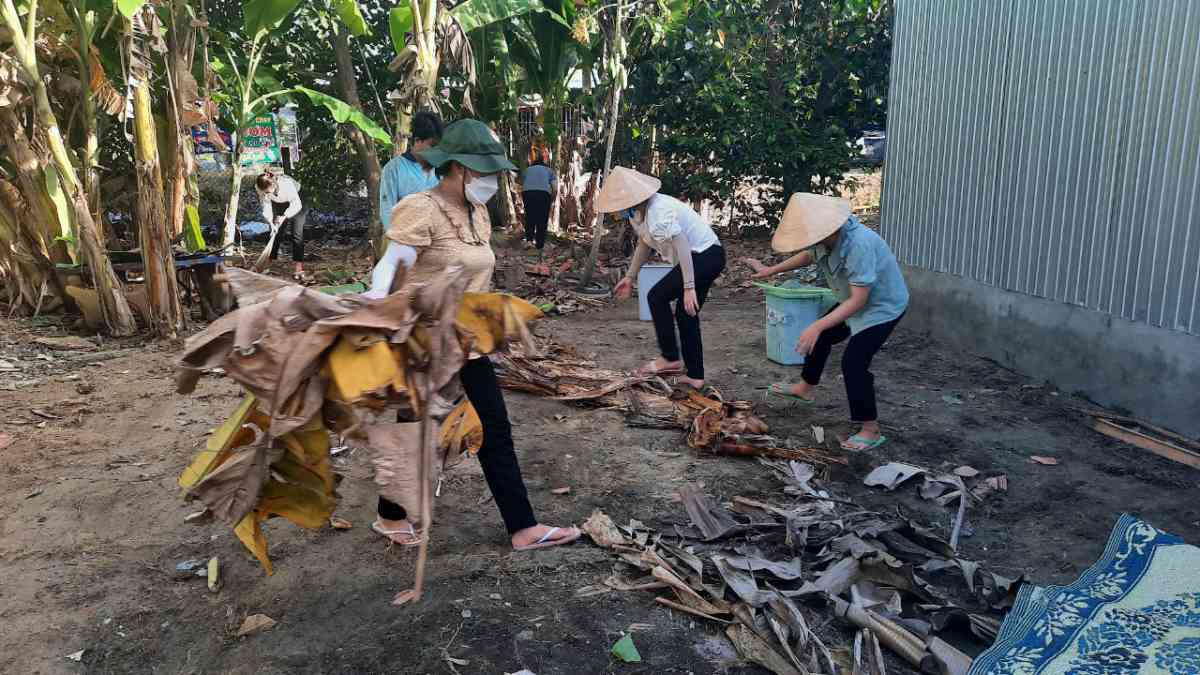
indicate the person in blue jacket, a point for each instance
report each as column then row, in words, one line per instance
column 409, row 174
column 862, row 270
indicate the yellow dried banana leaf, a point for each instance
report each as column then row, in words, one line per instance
column 358, row 373
column 490, row 320
column 300, row 489
column 249, row 531
column 242, row 428
column 461, row 431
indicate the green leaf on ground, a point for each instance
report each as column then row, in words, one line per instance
column 626, row 651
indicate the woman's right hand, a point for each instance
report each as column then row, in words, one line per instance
column 761, row 271
column 623, row 289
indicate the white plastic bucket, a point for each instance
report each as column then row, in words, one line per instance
column 648, row 276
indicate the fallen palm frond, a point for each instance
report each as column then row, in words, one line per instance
column 312, row 364
column 763, row 569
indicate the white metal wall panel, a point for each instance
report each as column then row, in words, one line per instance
column 1052, row 148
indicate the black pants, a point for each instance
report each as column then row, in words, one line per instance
column 707, row 266
column 537, row 215
column 295, row 225
column 497, row 457
column 856, row 364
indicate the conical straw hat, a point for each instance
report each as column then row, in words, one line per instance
column 624, row 189
column 808, row 220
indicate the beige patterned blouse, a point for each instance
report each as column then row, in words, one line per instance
column 442, row 234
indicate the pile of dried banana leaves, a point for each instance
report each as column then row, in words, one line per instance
column 766, row 569
column 380, row 372
column 713, row 424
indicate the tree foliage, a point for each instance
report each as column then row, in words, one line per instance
column 761, row 92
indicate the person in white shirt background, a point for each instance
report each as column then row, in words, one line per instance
column 674, row 230
column 279, row 195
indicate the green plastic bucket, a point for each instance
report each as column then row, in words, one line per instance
column 792, row 308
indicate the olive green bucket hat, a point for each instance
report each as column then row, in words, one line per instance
column 472, row 144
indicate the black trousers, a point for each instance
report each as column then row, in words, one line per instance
column 707, row 266
column 497, row 456
column 294, row 225
column 537, row 215
column 856, row 364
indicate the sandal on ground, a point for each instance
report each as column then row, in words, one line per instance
column 548, row 539
column 650, row 370
column 857, row 443
column 301, row 278
column 785, row 391
column 415, row 537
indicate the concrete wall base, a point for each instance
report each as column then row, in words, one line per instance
column 1154, row 373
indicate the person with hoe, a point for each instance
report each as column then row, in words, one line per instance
column 862, row 270
column 408, row 173
column 428, row 232
column 279, row 195
column 671, row 228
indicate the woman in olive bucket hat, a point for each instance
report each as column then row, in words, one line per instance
column 428, row 232
column 673, row 229
column 861, row 268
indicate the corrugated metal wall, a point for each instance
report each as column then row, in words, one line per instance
column 1051, row 147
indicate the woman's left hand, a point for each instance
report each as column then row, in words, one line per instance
column 808, row 340
column 691, row 304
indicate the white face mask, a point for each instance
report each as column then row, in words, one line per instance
column 481, row 190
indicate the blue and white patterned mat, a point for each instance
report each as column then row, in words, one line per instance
column 1137, row 610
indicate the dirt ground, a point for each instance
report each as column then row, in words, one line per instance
column 92, row 522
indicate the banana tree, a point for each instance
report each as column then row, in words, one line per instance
column 424, row 34
column 143, row 39
column 114, row 307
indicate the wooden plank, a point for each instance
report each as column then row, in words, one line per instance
column 1154, row 445
column 1098, row 413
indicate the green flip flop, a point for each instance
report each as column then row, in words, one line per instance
column 866, row 444
column 783, row 391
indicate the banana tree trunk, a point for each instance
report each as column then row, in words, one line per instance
column 158, row 259
column 36, row 267
column 367, row 156
column 178, row 157
column 113, row 305
column 508, row 207
column 91, row 141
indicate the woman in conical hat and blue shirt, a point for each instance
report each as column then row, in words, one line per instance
column 429, row 231
column 861, row 268
column 673, row 229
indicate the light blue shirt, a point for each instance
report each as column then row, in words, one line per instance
column 403, row 176
column 862, row 258
column 538, row 177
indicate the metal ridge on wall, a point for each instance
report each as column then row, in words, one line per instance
column 1052, row 148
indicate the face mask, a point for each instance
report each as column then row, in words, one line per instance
column 482, row 189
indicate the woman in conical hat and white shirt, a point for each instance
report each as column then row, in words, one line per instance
column 670, row 227
column 861, row 268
